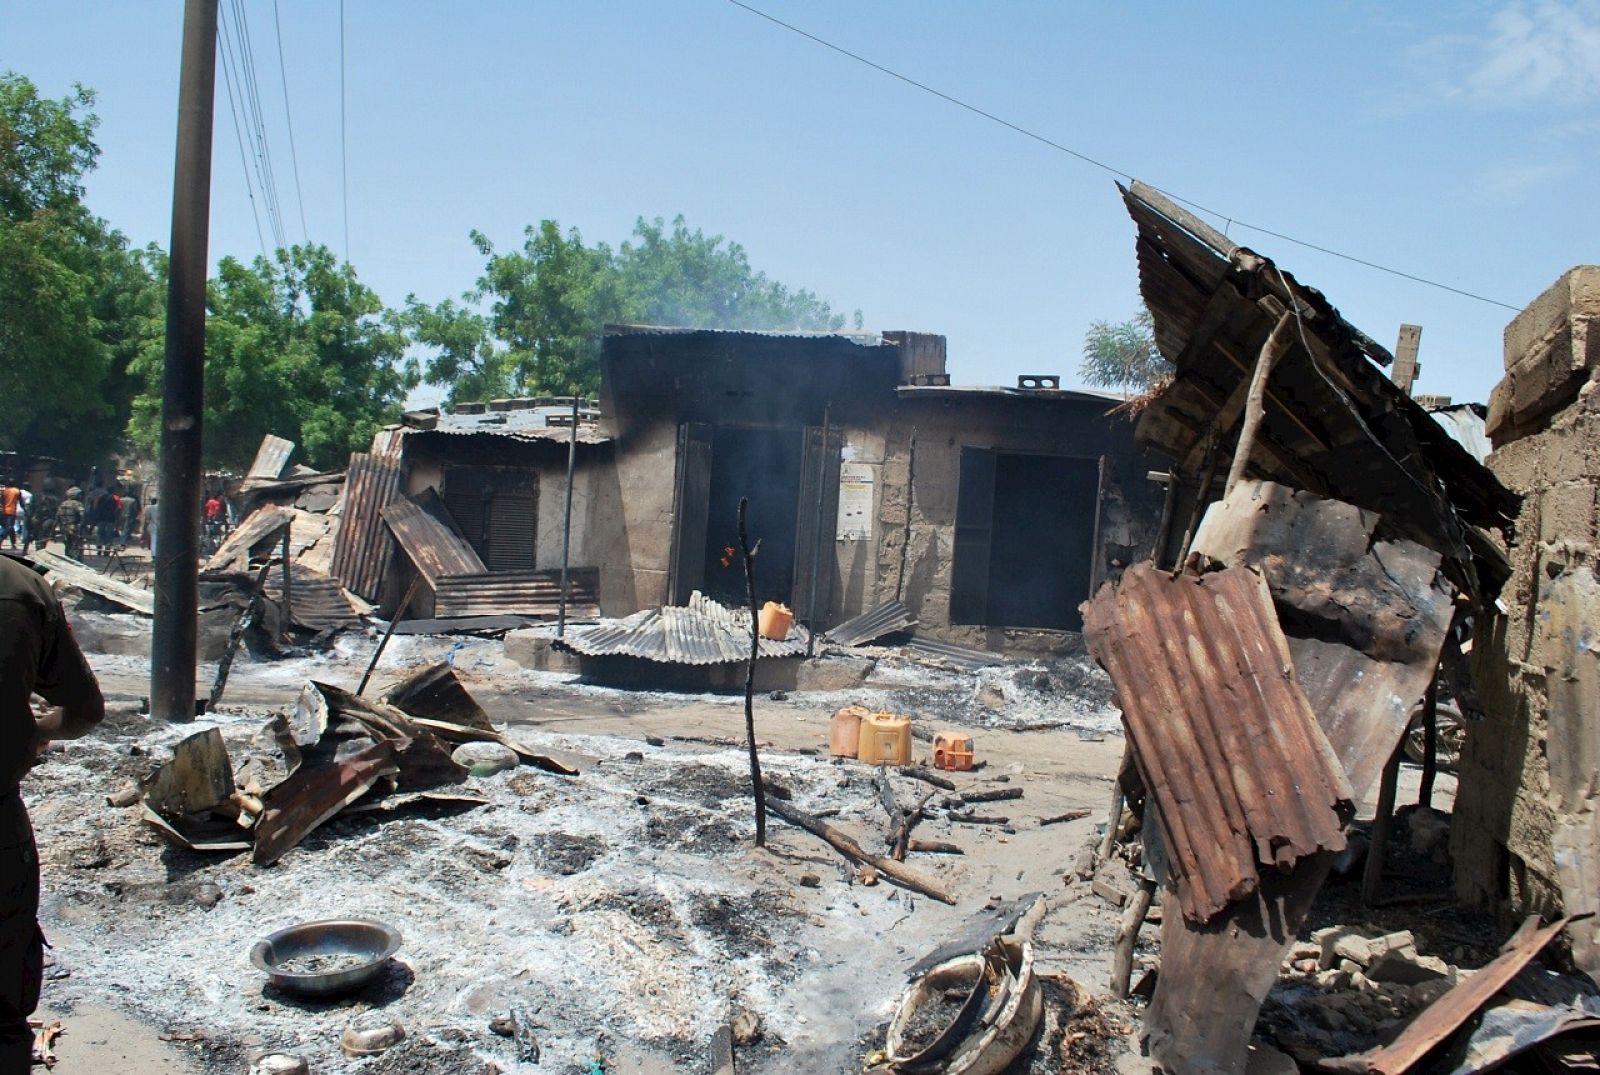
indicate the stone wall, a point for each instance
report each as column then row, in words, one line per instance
column 1525, row 832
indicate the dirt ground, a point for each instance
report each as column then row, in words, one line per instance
column 624, row 913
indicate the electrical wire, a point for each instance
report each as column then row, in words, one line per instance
column 252, row 84
column 238, row 136
column 288, row 119
column 1037, row 137
column 236, row 63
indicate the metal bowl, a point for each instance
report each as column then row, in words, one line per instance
column 372, row 941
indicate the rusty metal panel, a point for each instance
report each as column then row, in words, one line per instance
column 524, row 593
column 1365, row 617
column 271, row 457
column 234, row 553
column 361, row 552
column 430, row 540
column 316, row 602
column 1225, row 740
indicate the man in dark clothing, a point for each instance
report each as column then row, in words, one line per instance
column 38, row 655
column 69, row 523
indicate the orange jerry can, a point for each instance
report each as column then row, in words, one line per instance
column 844, row 734
column 775, row 621
column 952, row 750
column 886, row 738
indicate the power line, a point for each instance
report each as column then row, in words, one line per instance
column 1037, row 137
column 344, row 152
column 238, row 137
column 252, row 84
column 288, row 119
column 236, row 68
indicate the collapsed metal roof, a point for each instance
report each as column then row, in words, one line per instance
column 700, row 633
column 1334, row 424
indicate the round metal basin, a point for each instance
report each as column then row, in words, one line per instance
column 361, row 947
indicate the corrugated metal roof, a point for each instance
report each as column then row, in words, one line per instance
column 535, row 594
column 962, row 657
column 699, row 633
column 86, row 578
column 1466, row 423
column 271, row 457
column 528, row 423
column 863, row 339
column 886, row 618
column 955, row 391
column 234, row 553
column 1225, row 740
column 1333, row 424
column 316, row 601
column 430, row 540
column 362, row 548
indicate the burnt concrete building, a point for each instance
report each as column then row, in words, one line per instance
column 991, row 512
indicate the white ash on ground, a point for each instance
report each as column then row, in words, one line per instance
column 625, row 909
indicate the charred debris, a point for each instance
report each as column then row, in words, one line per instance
column 1287, row 567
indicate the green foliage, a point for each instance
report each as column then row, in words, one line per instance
column 548, row 301
column 1123, row 355
column 297, row 346
column 75, row 303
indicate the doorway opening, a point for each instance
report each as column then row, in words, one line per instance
column 764, row 465
column 1025, row 539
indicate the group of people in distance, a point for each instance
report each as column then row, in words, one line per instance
column 105, row 521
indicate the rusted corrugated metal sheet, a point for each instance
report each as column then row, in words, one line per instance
column 316, row 602
column 1223, row 736
column 271, row 457
column 72, row 573
column 1333, row 423
column 887, row 618
column 425, row 534
column 699, row 633
column 522, row 593
column 234, row 553
column 1365, row 617
column 361, row 553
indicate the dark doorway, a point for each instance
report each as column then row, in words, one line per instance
column 497, row 509
column 764, row 465
column 1024, row 546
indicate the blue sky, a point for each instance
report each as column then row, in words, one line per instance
column 1457, row 142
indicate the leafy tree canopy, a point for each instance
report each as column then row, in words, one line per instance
column 547, row 301
column 75, row 303
column 1123, row 355
column 296, row 346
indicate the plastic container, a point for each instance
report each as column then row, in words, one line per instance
column 844, row 734
column 952, row 750
column 775, row 621
column 885, row 738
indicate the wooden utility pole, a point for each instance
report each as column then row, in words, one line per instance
column 175, row 636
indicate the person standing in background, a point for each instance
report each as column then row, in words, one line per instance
column 127, row 517
column 10, row 512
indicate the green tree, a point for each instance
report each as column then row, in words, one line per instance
column 1123, row 355
column 548, row 301
column 295, row 346
column 75, row 303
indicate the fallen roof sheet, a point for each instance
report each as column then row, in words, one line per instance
column 234, row 552
column 1365, row 618
column 316, row 601
column 271, row 457
column 699, row 633
column 362, row 548
column 1333, row 424
column 430, row 538
column 964, row 658
column 1224, row 738
column 887, row 618
column 535, row 594
column 87, row 579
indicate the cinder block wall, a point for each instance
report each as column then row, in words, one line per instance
column 1528, row 771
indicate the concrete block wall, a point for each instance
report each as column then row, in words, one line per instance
column 1521, row 821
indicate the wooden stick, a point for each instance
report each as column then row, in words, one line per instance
column 917, row 772
column 1372, row 876
column 993, row 795
column 1255, row 402
column 1133, row 917
column 977, row 819
column 840, row 842
column 935, row 847
column 1114, row 814
column 1070, row 815
column 750, row 675
column 900, row 836
column 383, row 643
column 251, row 607
column 1430, row 743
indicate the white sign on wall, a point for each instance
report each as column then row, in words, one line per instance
column 855, row 501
